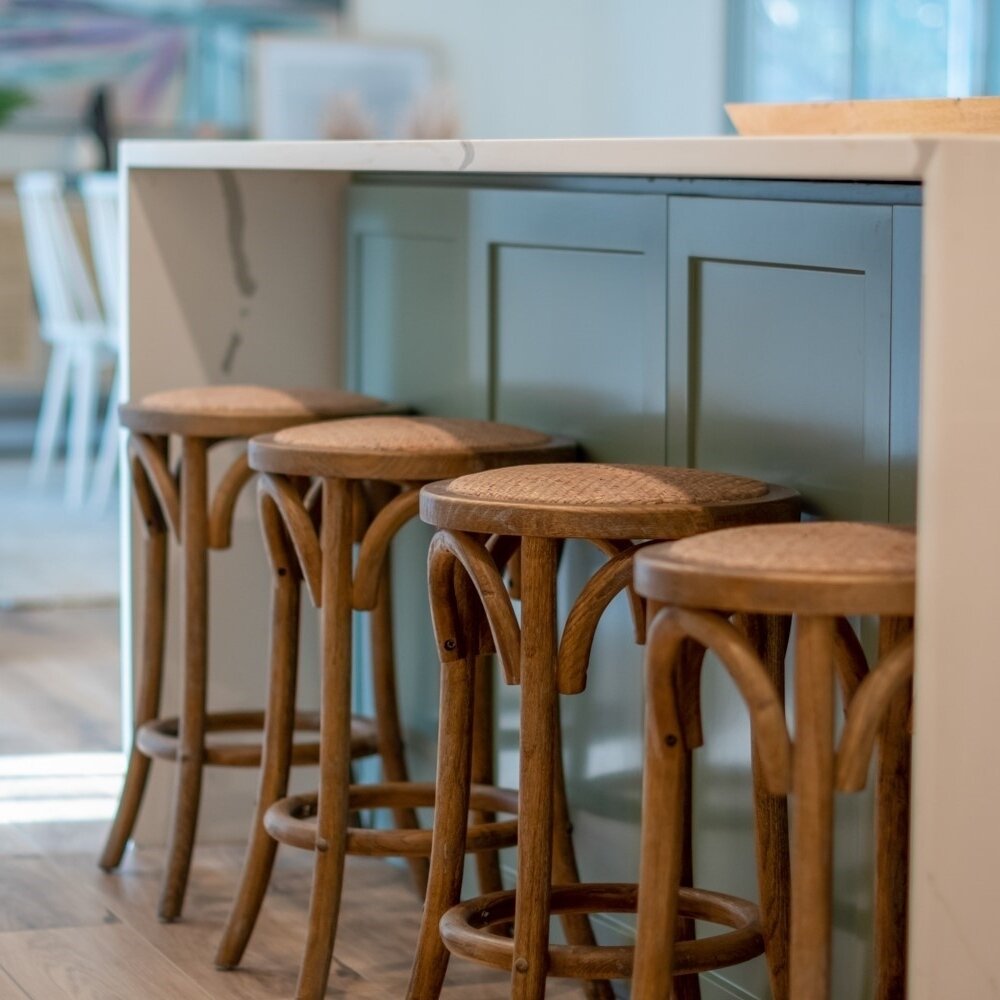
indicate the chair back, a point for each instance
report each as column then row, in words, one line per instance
column 67, row 305
column 100, row 198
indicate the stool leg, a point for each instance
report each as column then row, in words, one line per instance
column 276, row 754
column 194, row 626
column 812, row 854
column 688, row 694
column 390, row 735
column 487, row 862
column 335, row 739
column 769, row 636
column 892, row 827
column 538, row 731
column 147, row 704
column 454, row 770
column 576, row 926
column 664, row 784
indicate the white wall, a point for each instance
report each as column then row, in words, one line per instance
column 545, row 68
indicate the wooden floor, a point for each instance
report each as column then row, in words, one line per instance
column 67, row 930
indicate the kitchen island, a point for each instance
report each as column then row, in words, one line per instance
column 815, row 312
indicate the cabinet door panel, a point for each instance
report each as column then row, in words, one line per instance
column 905, row 387
column 407, row 304
column 779, row 346
column 779, row 367
column 572, row 288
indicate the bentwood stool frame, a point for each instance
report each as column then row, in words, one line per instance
column 358, row 463
column 821, row 572
column 175, row 501
column 465, row 511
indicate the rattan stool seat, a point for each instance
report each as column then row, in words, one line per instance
column 817, row 567
column 594, row 500
column 219, row 411
column 401, row 448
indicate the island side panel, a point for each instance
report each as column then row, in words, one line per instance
column 233, row 278
column 955, row 879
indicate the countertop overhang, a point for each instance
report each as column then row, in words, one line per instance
column 859, row 158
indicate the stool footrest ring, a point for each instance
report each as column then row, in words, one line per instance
column 292, row 820
column 470, row 931
column 160, row 738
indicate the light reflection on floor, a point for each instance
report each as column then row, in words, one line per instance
column 65, row 787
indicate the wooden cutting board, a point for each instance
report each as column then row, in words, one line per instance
column 935, row 116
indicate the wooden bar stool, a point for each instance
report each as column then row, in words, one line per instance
column 370, row 470
column 540, row 506
column 819, row 572
column 176, row 501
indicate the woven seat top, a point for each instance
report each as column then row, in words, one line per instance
column 822, row 562
column 401, row 447
column 242, row 410
column 596, row 484
column 596, row 500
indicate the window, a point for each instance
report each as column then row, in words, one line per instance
column 809, row 50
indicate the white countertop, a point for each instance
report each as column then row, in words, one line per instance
column 866, row 158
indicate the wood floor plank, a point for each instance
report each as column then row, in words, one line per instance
column 34, row 895
column 380, row 917
column 9, row 990
column 60, row 678
column 106, row 962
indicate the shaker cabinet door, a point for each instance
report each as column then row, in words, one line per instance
column 407, row 299
column 569, row 289
column 779, row 346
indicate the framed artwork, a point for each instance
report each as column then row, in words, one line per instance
column 316, row 88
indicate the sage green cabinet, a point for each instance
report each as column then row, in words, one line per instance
column 775, row 338
column 779, row 346
column 407, row 300
column 783, row 349
column 572, row 289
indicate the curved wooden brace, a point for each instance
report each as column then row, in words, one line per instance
column 299, row 527
column 689, row 687
column 767, row 713
column 867, row 710
column 506, row 551
column 612, row 546
column 163, row 483
column 478, row 564
column 503, row 548
column 441, row 563
column 850, row 660
column 581, row 624
column 312, row 492
column 220, row 515
column 375, row 543
column 281, row 553
column 153, row 522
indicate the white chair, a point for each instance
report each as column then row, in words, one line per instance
column 71, row 321
column 100, row 197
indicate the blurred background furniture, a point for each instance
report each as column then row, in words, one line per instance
column 72, row 321
column 100, row 197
